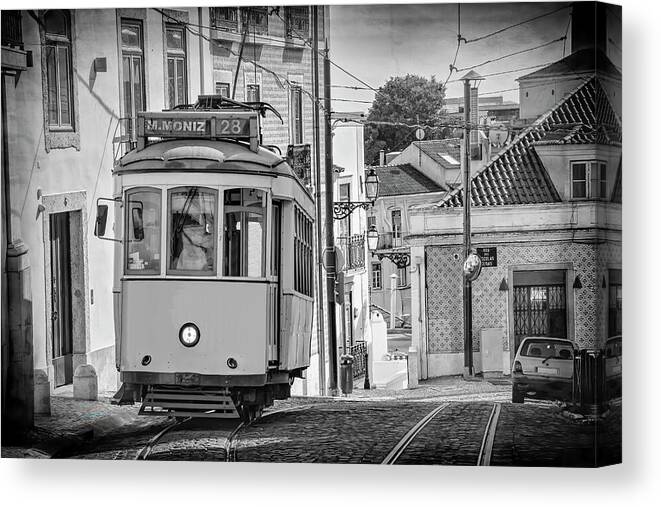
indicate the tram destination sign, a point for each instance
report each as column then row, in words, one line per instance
column 211, row 126
column 489, row 256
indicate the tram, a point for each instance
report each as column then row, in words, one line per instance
column 213, row 264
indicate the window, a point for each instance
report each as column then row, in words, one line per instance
column 252, row 93
column 192, row 238
column 224, row 18
column 396, row 217
column 402, row 280
column 376, row 276
column 302, row 253
column 255, row 19
column 589, row 180
column 222, row 89
column 59, row 74
column 296, row 114
column 345, row 223
column 143, row 231
column 297, row 22
column 175, row 42
column 614, row 302
column 133, row 75
column 245, row 232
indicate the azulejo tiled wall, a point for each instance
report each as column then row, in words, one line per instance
column 490, row 305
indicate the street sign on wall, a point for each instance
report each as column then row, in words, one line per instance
column 489, row 256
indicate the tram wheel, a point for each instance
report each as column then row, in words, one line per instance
column 249, row 413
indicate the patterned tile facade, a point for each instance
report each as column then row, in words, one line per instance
column 490, row 305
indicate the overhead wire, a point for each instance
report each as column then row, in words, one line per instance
column 482, row 37
column 512, row 54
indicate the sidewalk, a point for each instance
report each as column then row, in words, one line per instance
column 74, row 421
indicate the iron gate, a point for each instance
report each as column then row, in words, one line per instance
column 539, row 310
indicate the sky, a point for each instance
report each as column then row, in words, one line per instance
column 376, row 41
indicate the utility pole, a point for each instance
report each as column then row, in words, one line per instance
column 330, row 236
column 321, row 338
column 468, row 297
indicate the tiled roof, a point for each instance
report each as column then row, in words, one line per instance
column 436, row 148
column 589, row 60
column 403, row 179
column 517, row 175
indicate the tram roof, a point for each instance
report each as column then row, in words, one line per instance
column 201, row 155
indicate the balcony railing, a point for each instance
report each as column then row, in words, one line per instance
column 389, row 240
column 353, row 248
column 224, row 18
column 12, row 32
column 359, row 353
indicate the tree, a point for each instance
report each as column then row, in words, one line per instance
column 411, row 100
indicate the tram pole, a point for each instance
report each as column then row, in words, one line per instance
column 467, row 292
column 330, row 236
column 321, row 338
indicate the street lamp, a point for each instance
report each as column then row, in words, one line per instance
column 342, row 209
column 470, row 265
column 399, row 259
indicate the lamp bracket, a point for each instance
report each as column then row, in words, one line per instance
column 343, row 209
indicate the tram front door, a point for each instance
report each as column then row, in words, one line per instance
column 61, row 298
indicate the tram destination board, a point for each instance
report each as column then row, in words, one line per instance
column 210, row 126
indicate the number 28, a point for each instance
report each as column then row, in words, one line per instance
column 230, row 127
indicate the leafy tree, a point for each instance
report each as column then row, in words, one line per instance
column 410, row 99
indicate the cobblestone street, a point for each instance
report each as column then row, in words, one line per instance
column 363, row 427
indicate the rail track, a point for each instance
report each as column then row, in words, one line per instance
column 488, row 437
column 230, row 438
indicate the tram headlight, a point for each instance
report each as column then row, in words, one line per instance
column 189, row 335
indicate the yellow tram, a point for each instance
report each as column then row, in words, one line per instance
column 213, row 287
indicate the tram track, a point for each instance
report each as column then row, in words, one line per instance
column 487, row 441
column 231, row 438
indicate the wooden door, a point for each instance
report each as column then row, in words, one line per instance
column 61, row 298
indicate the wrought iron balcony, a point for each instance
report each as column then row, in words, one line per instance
column 389, row 240
column 224, row 18
column 353, row 248
column 12, row 31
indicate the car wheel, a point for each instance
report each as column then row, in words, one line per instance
column 517, row 397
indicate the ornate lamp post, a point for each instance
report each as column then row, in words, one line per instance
column 342, row 209
column 399, row 259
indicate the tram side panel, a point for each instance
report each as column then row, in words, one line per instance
column 231, row 317
column 296, row 308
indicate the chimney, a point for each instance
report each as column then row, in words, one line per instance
column 382, row 157
column 588, row 26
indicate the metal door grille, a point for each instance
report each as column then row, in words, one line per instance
column 540, row 311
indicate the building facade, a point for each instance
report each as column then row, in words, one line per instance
column 69, row 109
column 546, row 219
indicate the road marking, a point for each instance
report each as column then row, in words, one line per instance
column 401, row 446
column 484, row 457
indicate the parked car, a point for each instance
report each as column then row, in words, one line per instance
column 613, row 367
column 544, row 369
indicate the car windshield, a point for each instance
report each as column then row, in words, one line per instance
column 547, row 349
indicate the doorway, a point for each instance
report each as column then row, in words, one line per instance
column 539, row 304
column 61, row 298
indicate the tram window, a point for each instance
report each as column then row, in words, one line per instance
column 303, row 264
column 192, row 241
column 143, row 233
column 245, row 218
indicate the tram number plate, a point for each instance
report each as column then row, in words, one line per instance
column 187, row 379
column 232, row 127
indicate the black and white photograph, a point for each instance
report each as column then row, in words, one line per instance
column 362, row 234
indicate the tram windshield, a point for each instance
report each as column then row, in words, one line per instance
column 245, row 219
column 191, row 212
column 143, row 231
